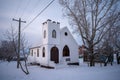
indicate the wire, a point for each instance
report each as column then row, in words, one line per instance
column 26, row 6
column 38, row 14
column 18, row 8
column 34, row 9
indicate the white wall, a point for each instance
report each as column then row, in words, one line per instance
column 71, row 43
column 44, row 60
column 49, row 26
column 53, row 26
column 34, row 58
column 45, row 27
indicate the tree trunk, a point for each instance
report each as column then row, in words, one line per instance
column 91, row 56
column 18, row 60
column 18, row 64
column 92, row 60
column 117, row 58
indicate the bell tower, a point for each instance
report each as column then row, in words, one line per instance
column 51, row 33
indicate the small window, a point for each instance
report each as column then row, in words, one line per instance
column 32, row 53
column 43, row 55
column 66, row 34
column 37, row 52
column 45, row 34
column 67, row 59
column 54, row 34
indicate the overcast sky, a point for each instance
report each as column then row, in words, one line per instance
column 27, row 10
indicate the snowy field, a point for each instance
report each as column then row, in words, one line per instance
column 8, row 71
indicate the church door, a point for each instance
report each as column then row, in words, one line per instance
column 54, row 55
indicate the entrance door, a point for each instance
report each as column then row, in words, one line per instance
column 54, row 55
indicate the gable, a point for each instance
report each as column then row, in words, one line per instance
column 67, row 36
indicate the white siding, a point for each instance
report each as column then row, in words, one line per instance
column 71, row 43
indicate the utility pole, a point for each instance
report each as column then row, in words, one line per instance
column 19, row 33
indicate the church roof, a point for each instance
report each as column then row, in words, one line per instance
column 35, row 47
column 66, row 29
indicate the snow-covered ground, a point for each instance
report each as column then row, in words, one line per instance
column 8, row 71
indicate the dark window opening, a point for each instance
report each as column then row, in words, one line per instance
column 54, row 34
column 43, row 55
column 44, row 34
column 67, row 59
column 37, row 52
column 66, row 51
column 32, row 53
column 66, row 34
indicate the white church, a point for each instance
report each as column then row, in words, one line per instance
column 58, row 46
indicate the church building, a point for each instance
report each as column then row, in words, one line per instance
column 58, row 46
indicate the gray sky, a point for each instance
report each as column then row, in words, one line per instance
column 27, row 10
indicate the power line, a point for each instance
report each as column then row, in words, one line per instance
column 32, row 10
column 38, row 14
column 37, row 3
column 18, row 8
column 25, row 7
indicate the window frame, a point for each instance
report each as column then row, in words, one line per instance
column 44, row 33
column 66, row 34
column 54, row 33
column 66, row 51
column 43, row 52
column 37, row 52
column 32, row 52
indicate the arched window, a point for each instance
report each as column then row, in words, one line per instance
column 45, row 34
column 37, row 52
column 43, row 52
column 54, row 34
column 32, row 53
column 66, row 51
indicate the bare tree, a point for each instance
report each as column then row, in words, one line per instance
column 116, row 38
column 116, row 35
column 117, row 45
column 13, row 37
column 7, row 50
column 91, row 19
column 112, row 37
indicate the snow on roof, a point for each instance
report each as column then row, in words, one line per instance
column 35, row 47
